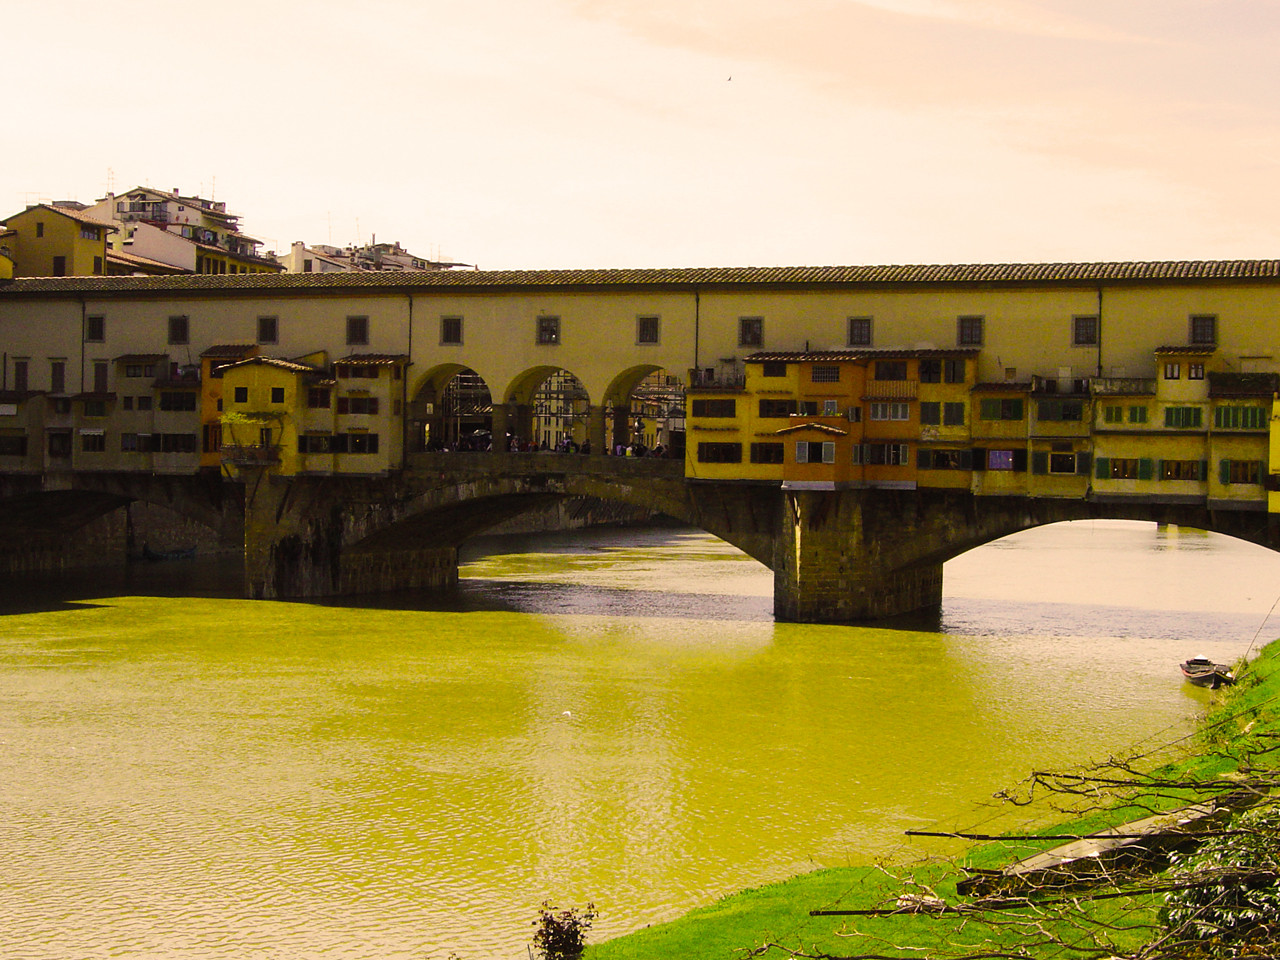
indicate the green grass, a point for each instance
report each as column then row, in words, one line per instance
column 1233, row 740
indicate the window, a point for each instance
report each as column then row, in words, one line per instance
column 315, row 443
column 357, row 331
column 824, row 373
column 1062, row 463
column 1204, row 330
column 59, row 444
column 242, row 395
column 1125, row 468
column 1138, row 414
column 1182, row 418
column 179, row 330
column 859, row 331
column 930, row 413
column 57, row 376
column 1240, row 418
column 1084, row 331
column 39, row 229
column 139, row 369
column 13, row 446
column 318, row 398
column 93, row 442
column 1172, row 371
column 776, row 409
column 1239, row 471
column 891, row 370
column 995, row 408
column 719, row 453
column 362, row 443
column 357, row 371
column 945, row 460
column 20, row 378
column 451, row 331
column 306, row 266
column 1007, row 460
column 886, row 454
column 815, row 451
column 59, row 266
column 890, row 411
column 365, row 406
column 177, row 443
column 548, row 330
column 101, row 371
column 97, row 266
column 212, row 437
column 766, row 453
column 1182, row 469
column 646, row 329
column 774, row 369
column 1061, row 410
column 1113, row 414
column 268, row 330
column 930, row 371
column 831, row 408
column 953, row 370
column 751, row 331
column 714, row 408
column 969, row 331
column 277, row 394
column 177, row 400
column 953, row 414
column 95, row 408
column 95, row 329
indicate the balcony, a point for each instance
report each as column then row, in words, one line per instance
column 1123, row 386
column 716, row 380
column 891, row 390
column 251, row 455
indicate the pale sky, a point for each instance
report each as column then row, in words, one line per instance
column 607, row 133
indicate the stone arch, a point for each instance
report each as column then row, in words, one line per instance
column 452, row 408
column 646, row 403
column 546, row 405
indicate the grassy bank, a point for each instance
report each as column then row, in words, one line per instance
column 1233, row 743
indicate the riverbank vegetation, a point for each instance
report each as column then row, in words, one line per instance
column 1215, row 898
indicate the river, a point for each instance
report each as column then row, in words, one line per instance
column 609, row 716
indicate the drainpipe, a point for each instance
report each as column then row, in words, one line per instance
column 404, row 389
column 84, row 320
column 1099, row 373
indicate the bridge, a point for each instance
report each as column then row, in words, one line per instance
column 837, row 556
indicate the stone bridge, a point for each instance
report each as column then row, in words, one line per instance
column 836, row 555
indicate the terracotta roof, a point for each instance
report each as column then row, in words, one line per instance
column 1023, row 274
column 236, row 350
column 78, row 215
column 1004, row 386
column 861, row 353
column 271, row 362
column 821, row 427
column 132, row 259
column 371, row 359
column 1200, row 350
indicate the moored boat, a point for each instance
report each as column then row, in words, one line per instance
column 1203, row 672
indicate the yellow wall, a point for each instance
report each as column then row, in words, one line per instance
column 61, row 238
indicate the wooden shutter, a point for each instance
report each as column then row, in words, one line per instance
column 1082, row 464
column 1039, row 461
column 1102, row 468
column 1145, row 468
column 1224, row 472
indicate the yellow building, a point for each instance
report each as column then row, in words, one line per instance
column 49, row 240
column 998, row 430
column 212, row 362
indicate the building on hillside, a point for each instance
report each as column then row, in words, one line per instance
column 323, row 258
column 57, row 240
column 188, row 232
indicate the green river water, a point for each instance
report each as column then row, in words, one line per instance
column 608, row 716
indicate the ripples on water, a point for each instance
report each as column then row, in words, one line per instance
column 610, row 716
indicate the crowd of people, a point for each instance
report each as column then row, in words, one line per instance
column 482, row 442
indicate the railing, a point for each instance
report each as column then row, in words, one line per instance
column 251, row 454
column 1123, row 386
column 891, row 390
column 706, row 380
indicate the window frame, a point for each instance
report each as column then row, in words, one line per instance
column 648, row 330
column 179, row 329
column 1085, row 330
column 1198, row 324
column 970, row 330
column 358, row 330
column 865, row 330
column 547, row 331
column 269, row 325
column 751, row 331
column 447, row 322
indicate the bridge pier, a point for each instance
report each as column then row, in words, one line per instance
column 854, row 555
column 596, row 430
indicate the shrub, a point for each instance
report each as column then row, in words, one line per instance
column 562, row 934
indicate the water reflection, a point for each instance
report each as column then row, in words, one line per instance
column 609, row 716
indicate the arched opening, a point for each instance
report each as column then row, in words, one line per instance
column 452, row 410
column 547, row 408
column 645, row 408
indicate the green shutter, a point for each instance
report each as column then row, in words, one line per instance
column 990, row 409
column 1082, row 464
column 1197, row 416
column 1144, row 469
column 1102, row 468
column 925, row 460
column 1015, row 408
column 1224, row 472
column 1039, row 461
column 1204, row 469
column 1159, row 469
